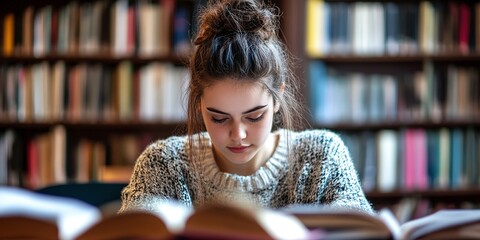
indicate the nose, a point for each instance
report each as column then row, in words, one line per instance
column 238, row 132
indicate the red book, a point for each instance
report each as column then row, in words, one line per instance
column 33, row 177
column 54, row 30
column 131, row 31
column 421, row 174
column 464, row 28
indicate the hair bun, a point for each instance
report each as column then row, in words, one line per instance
column 237, row 16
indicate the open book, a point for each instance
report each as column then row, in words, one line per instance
column 345, row 223
column 29, row 215
column 350, row 224
column 215, row 221
column 48, row 217
column 444, row 224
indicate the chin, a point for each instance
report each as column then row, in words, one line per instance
column 239, row 161
column 235, row 159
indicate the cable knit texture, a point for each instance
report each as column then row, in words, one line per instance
column 317, row 170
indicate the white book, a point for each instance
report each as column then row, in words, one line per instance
column 58, row 84
column 387, row 146
column 358, row 84
column 361, row 26
column 183, row 78
column 38, row 34
column 38, row 92
column 377, row 43
column 166, row 79
column 148, row 17
column 390, row 98
column 147, row 93
column 120, row 21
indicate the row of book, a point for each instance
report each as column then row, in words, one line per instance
column 451, row 93
column 50, row 158
column 392, row 28
column 416, row 159
column 116, row 27
column 386, row 160
column 92, row 92
column 33, row 162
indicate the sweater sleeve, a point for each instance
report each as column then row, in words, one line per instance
column 343, row 188
column 328, row 176
column 158, row 176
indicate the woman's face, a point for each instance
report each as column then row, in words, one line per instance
column 238, row 118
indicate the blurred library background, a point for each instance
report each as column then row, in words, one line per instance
column 85, row 86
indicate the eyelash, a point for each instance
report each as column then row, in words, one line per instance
column 257, row 119
column 218, row 120
column 253, row 120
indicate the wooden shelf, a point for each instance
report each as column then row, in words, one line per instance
column 443, row 57
column 457, row 193
column 133, row 126
column 349, row 126
column 435, row 195
column 155, row 125
column 105, row 58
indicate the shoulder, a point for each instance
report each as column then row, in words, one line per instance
column 170, row 148
column 319, row 146
column 168, row 144
column 315, row 138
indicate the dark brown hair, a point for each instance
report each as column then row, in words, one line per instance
column 239, row 39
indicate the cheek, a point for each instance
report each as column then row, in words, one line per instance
column 262, row 130
column 217, row 132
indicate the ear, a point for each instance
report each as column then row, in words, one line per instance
column 277, row 105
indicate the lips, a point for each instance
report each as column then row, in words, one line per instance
column 240, row 149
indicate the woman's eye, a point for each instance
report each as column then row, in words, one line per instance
column 255, row 119
column 219, row 120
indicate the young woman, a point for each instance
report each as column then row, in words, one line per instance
column 241, row 118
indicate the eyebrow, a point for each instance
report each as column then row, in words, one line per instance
column 246, row 112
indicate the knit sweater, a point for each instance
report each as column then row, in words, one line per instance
column 308, row 167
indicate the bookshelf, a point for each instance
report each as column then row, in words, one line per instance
column 398, row 80
column 416, row 57
column 81, row 94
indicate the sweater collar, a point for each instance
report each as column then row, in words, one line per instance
column 264, row 177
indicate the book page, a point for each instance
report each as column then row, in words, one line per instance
column 439, row 220
column 71, row 216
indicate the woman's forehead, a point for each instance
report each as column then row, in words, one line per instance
column 232, row 94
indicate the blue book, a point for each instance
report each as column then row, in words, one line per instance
column 391, row 28
column 456, row 158
column 317, row 83
column 181, row 29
